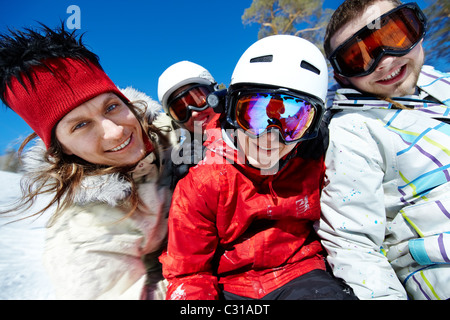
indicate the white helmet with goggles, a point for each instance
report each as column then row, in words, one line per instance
column 178, row 75
column 279, row 82
column 284, row 61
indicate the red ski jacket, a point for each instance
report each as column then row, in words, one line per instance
column 233, row 229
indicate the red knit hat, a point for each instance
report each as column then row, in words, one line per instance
column 57, row 87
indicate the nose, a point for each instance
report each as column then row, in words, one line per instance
column 273, row 135
column 270, row 139
column 111, row 130
column 194, row 113
column 385, row 62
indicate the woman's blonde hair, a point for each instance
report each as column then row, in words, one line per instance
column 66, row 172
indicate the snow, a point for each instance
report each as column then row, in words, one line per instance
column 22, row 275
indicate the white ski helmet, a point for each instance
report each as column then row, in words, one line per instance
column 178, row 75
column 283, row 61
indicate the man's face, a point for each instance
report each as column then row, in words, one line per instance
column 394, row 76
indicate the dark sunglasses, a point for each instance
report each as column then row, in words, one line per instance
column 395, row 33
column 193, row 98
column 259, row 111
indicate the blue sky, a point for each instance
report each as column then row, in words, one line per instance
column 137, row 40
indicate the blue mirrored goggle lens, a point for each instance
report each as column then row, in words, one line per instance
column 257, row 113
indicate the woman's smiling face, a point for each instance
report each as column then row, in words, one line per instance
column 102, row 131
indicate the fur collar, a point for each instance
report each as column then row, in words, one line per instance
column 110, row 189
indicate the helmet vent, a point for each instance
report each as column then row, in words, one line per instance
column 268, row 58
column 309, row 66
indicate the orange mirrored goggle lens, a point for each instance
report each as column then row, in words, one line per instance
column 193, row 98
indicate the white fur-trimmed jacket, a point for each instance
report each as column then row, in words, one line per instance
column 91, row 251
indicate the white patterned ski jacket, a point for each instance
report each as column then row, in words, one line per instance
column 386, row 201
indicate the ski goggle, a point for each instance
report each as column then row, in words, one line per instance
column 193, row 98
column 294, row 116
column 395, row 33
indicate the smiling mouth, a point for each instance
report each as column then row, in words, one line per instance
column 394, row 76
column 267, row 148
column 123, row 145
column 201, row 121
